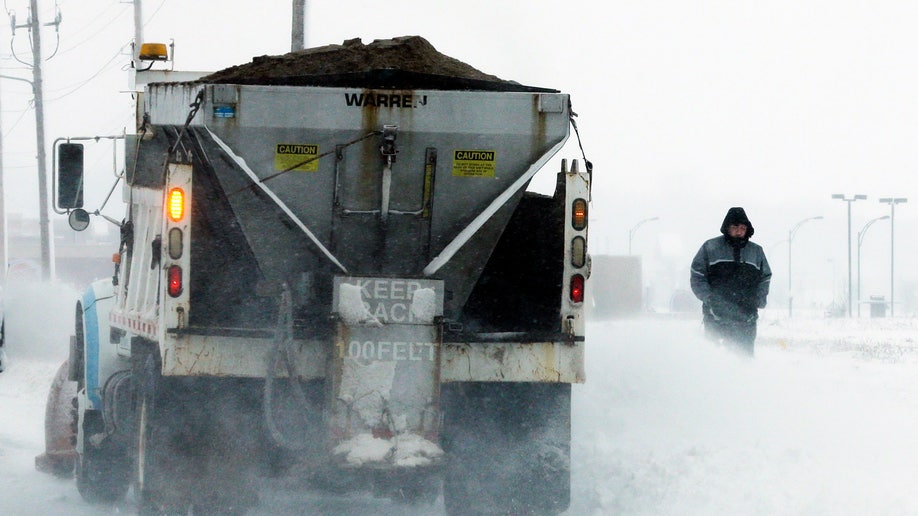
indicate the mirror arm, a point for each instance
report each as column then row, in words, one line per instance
column 106, row 217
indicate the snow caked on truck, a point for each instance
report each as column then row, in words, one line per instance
column 330, row 269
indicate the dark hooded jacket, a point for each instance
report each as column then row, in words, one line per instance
column 731, row 275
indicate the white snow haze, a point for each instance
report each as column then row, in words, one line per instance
column 822, row 421
column 685, row 109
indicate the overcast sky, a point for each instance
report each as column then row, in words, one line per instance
column 685, row 108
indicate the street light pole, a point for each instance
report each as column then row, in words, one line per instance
column 892, row 202
column 856, row 197
column 634, row 229
column 860, row 240
column 790, row 241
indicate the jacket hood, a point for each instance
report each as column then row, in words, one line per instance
column 737, row 216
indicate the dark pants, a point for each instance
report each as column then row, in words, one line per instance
column 741, row 335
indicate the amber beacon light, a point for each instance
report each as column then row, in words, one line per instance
column 153, row 52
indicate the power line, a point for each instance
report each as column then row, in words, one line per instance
column 98, row 31
column 16, row 123
column 80, row 85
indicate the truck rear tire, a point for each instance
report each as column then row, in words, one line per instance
column 152, row 483
column 196, row 442
column 508, row 448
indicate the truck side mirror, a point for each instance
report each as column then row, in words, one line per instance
column 70, row 175
column 78, row 219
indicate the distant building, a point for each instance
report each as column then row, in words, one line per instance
column 79, row 256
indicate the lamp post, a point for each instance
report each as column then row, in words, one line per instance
column 634, row 229
column 860, row 240
column 892, row 202
column 856, row 197
column 790, row 241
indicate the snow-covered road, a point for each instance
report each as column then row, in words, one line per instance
column 668, row 424
column 823, row 421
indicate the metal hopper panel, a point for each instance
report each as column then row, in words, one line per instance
column 454, row 153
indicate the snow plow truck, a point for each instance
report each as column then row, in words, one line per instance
column 331, row 270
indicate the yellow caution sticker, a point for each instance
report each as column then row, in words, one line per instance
column 301, row 157
column 474, row 163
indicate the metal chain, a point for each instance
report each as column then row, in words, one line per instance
column 195, row 106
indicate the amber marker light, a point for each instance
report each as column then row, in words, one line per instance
column 579, row 214
column 176, row 204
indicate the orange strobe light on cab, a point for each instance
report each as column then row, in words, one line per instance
column 153, row 52
column 577, row 288
column 176, row 204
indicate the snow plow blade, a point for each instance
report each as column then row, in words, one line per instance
column 60, row 432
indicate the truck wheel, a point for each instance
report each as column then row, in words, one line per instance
column 508, row 448
column 151, row 471
column 193, row 440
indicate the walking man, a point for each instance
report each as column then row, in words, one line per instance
column 731, row 276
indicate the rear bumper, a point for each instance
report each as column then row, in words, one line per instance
column 551, row 361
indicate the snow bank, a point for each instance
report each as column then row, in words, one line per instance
column 888, row 339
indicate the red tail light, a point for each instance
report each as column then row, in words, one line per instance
column 175, row 280
column 577, row 288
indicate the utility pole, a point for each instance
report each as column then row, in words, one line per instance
column 43, row 220
column 298, row 33
column 138, row 33
column 34, row 27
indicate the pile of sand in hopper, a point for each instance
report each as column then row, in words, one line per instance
column 408, row 62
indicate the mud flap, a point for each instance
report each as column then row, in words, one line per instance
column 385, row 372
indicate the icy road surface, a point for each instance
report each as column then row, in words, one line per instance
column 823, row 421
